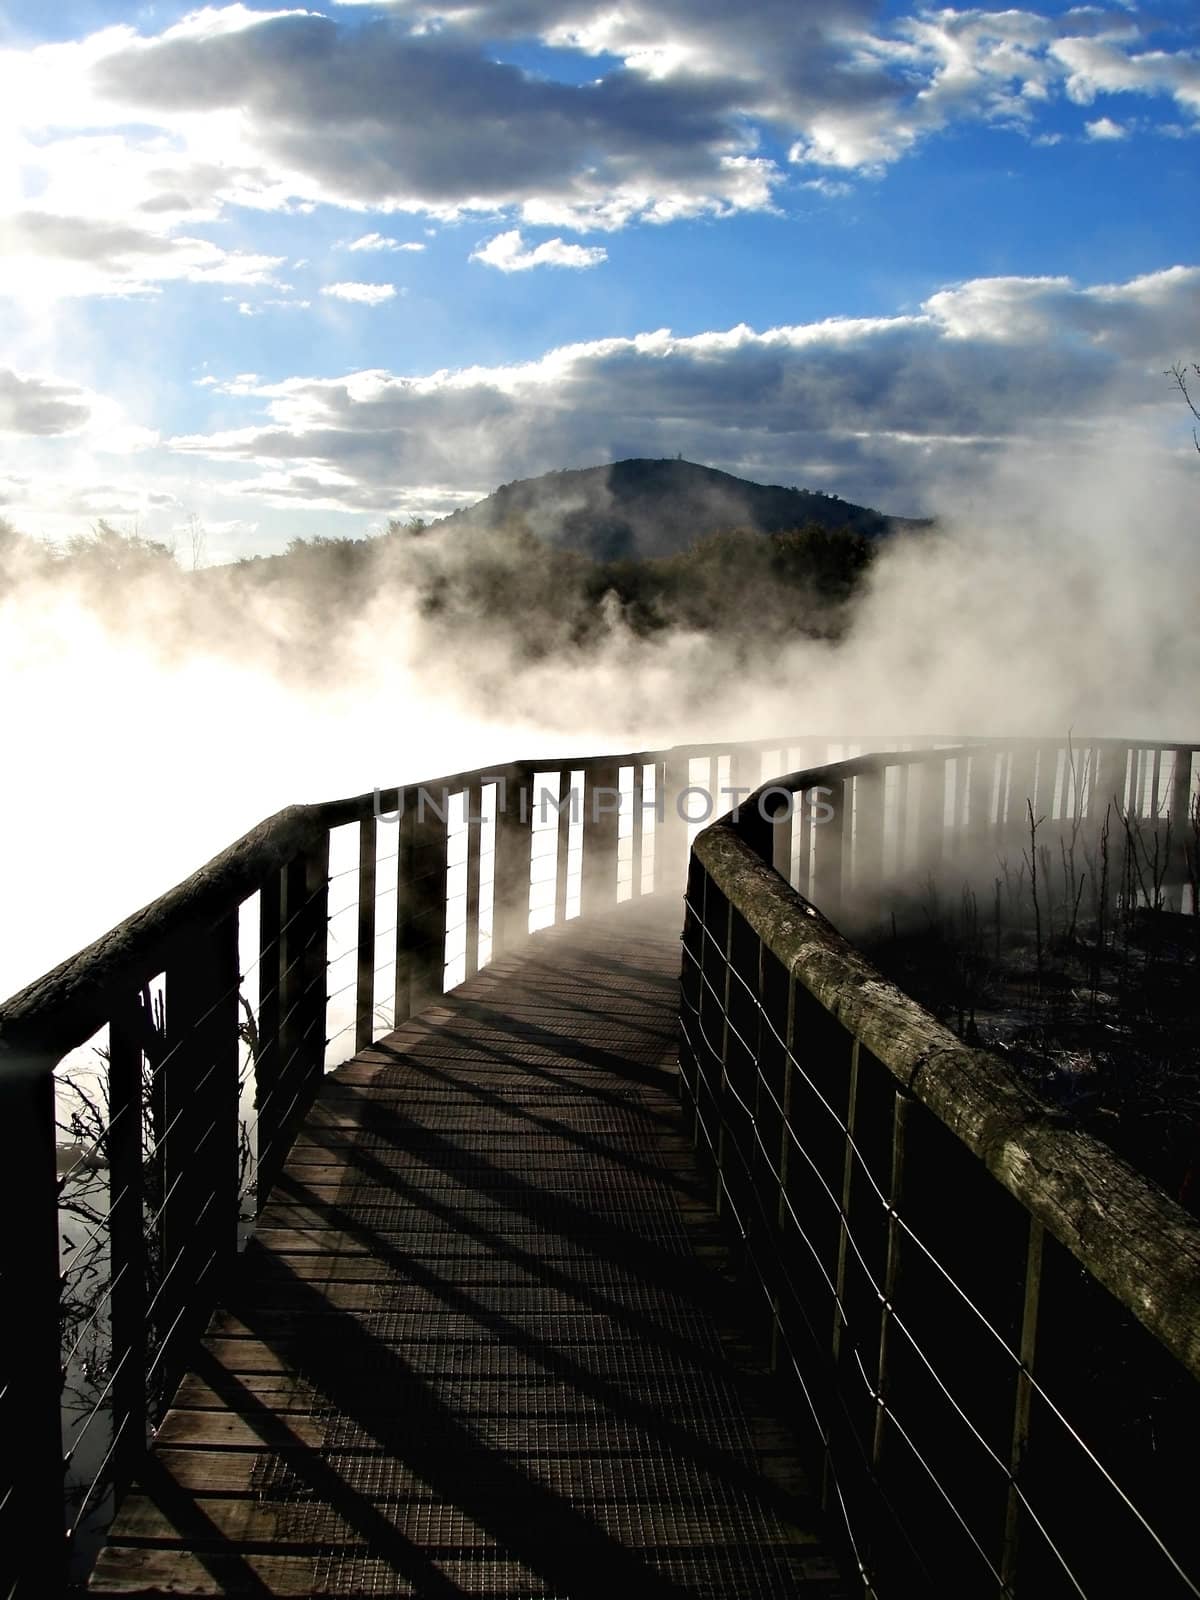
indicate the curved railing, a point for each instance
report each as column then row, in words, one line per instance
column 991, row 1321
column 182, row 1048
column 217, row 1008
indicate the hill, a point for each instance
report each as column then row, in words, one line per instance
column 641, row 508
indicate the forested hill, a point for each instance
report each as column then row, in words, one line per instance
column 639, row 508
column 651, row 547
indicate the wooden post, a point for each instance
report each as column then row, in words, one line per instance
column 1091, row 755
column 421, row 904
column 601, row 800
column 829, row 824
column 315, row 961
column 510, row 895
column 267, row 1091
column 756, row 825
column 636, row 799
column 719, row 1096
column 1182, row 837
column 931, row 815
column 844, row 1210
column 364, row 1026
column 670, row 849
column 32, row 1544
column 867, row 877
column 198, row 1085
column 563, row 845
column 782, row 823
column 801, row 844
column 899, row 853
column 1022, row 788
column 891, row 1273
column 743, row 776
column 785, row 1131
column 303, row 936
column 473, row 801
column 980, row 786
column 292, row 935
column 127, row 1240
column 1022, row 1405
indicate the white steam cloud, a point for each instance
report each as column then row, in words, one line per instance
column 140, row 741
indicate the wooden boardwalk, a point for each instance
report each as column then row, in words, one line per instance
column 483, row 1342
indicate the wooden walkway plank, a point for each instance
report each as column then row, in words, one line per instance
column 480, row 1344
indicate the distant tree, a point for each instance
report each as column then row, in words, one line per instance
column 20, row 556
column 11, row 541
column 1180, row 373
column 106, row 552
column 198, row 539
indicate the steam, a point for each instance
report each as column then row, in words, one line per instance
column 148, row 723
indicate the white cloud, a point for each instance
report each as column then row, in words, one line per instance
column 829, row 188
column 508, row 252
column 377, row 241
column 41, row 406
column 873, row 408
column 411, row 112
column 37, row 407
column 362, row 294
column 1106, row 128
column 1102, row 66
column 44, row 255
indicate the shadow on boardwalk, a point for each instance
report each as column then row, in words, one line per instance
column 482, row 1343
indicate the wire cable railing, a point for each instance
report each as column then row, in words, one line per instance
column 213, row 1055
column 215, row 1051
column 980, row 1257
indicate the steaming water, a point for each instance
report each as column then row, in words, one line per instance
column 139, row 741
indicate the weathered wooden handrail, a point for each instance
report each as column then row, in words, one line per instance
column 65, row 1007
column 171, row 1228
column 938, row 1250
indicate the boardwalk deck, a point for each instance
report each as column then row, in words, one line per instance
column 482, row 1343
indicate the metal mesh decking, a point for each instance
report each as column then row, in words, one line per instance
column 476, row 1347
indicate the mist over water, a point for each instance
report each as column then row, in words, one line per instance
column 149, row 724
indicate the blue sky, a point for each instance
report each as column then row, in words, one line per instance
column 290, row 272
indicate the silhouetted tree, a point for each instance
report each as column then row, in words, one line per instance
column 1180, row 373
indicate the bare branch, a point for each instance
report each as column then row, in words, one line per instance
column 1180, row 373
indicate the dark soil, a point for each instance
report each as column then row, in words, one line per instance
column 1111, row 1035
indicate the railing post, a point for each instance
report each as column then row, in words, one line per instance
column 868, row 840
column 1022, row 788
column 300, row 1057
column 127, row 1240
column 891, row 1272
column 364, row 1026
column 306, row 886
column 719, row 1098
column 980, row 785
column 510, row 893
column 421, row 904
column 563, row 848
column 267, row 1088
column 1022, row 1404
column 931, row 815
column 473, row 803
column 601, row 826
column 197, row 1084
column 670, row 848
column 32, row 1541
column 1182, row 837
column 782, row 823
column 829, row 824
column 637, row 832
